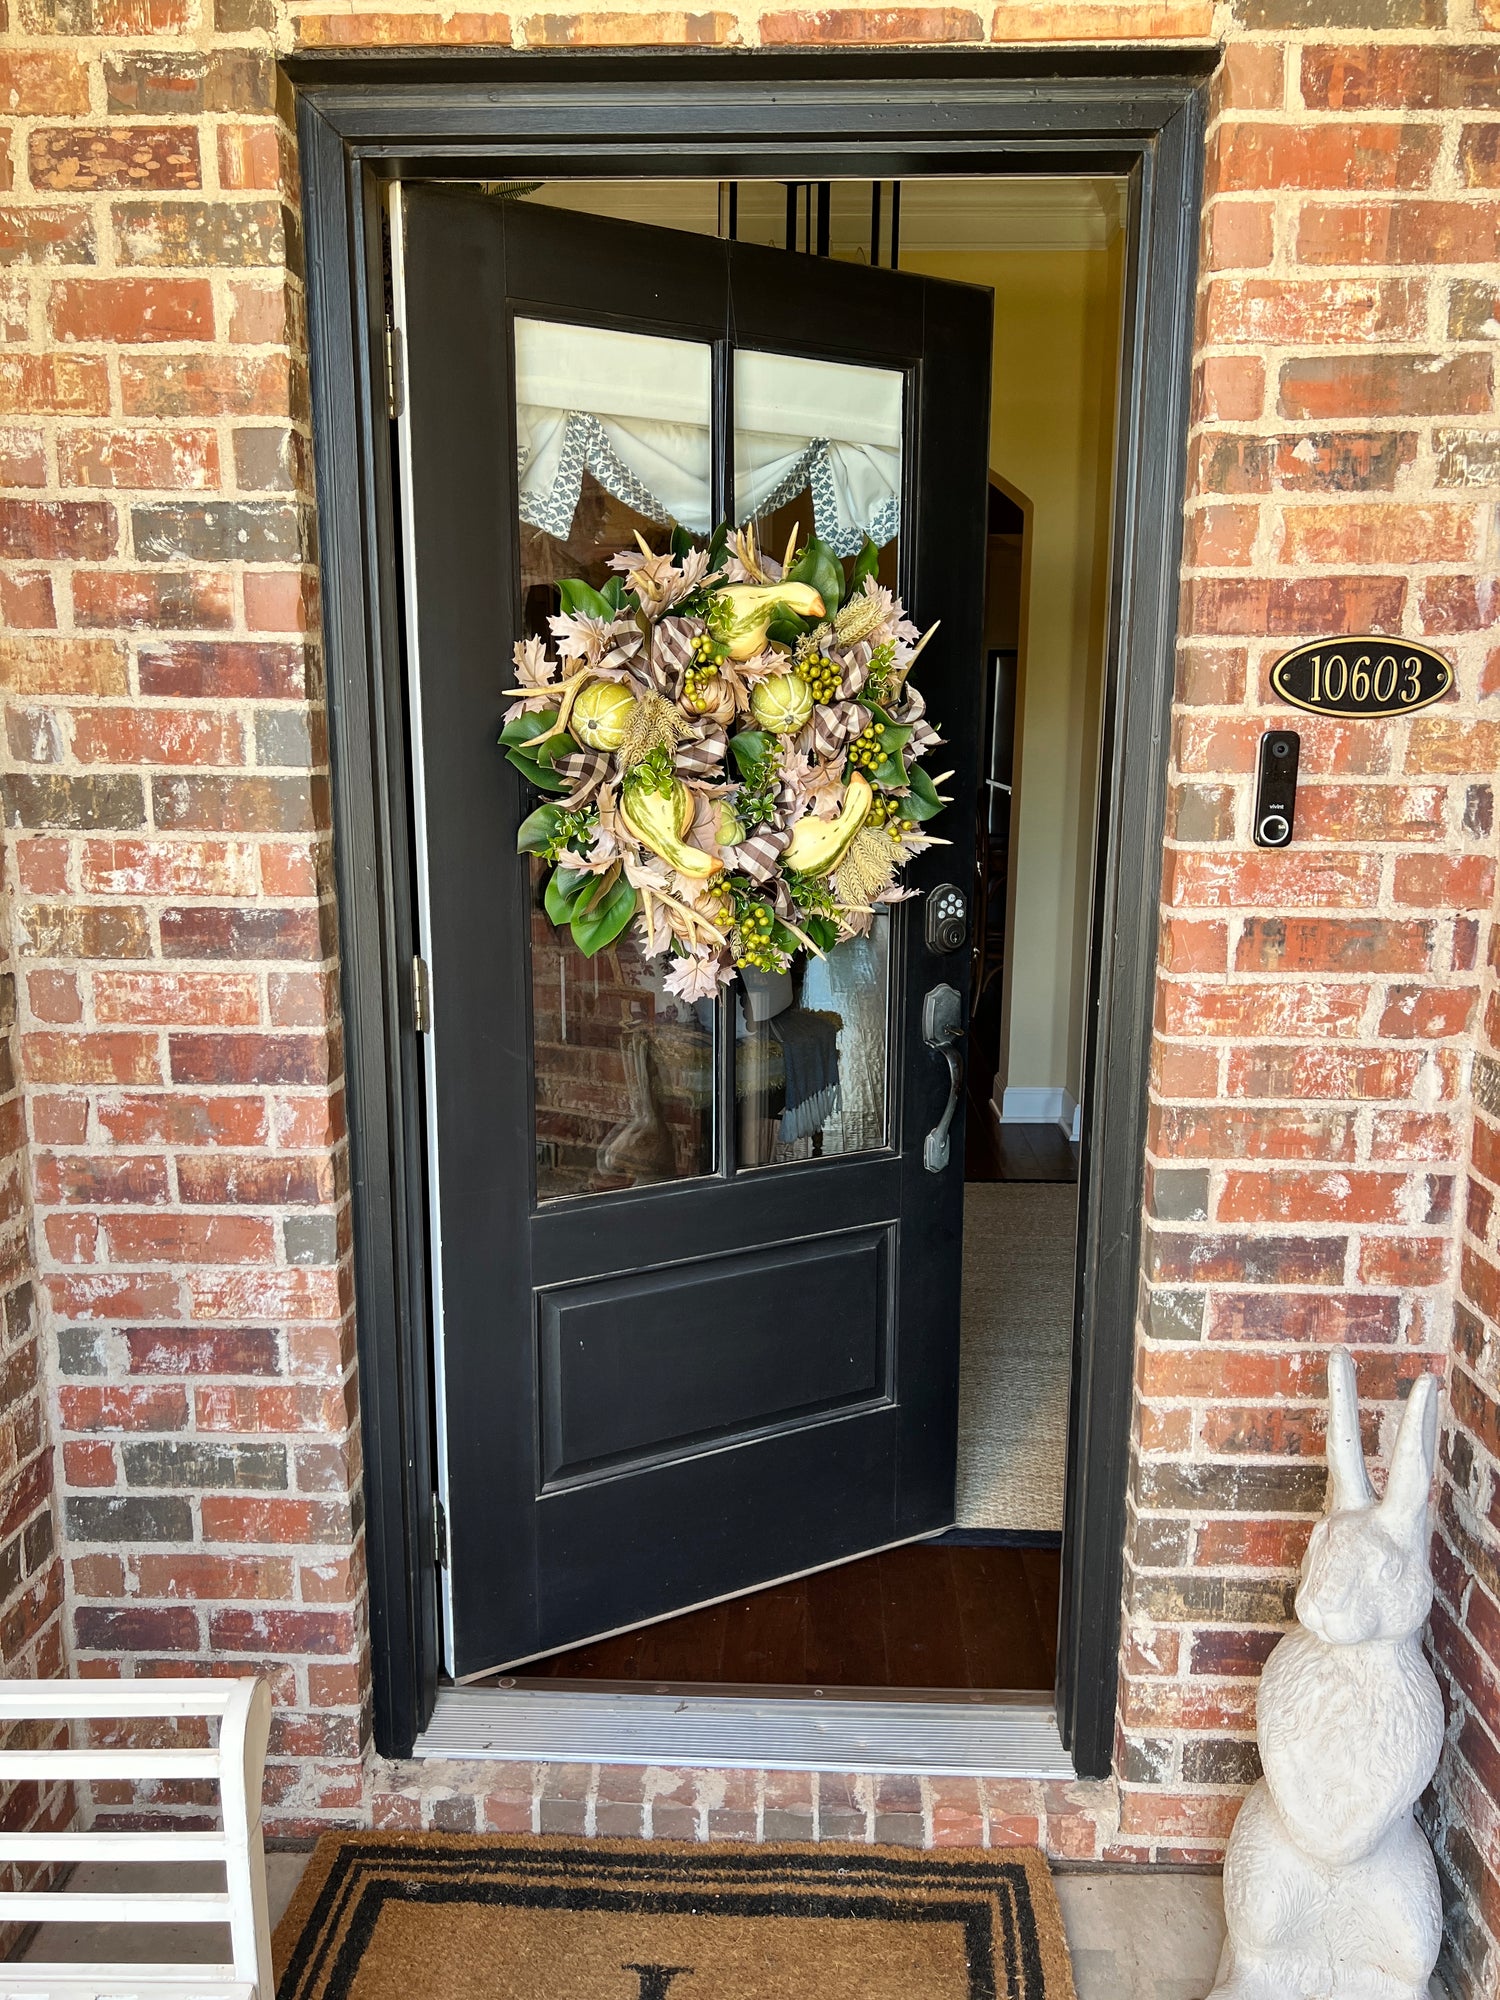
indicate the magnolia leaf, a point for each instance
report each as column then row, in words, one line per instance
column 895, row 735
column 605, row 917
column 565, row 890
column 866, row 563
column 819, row 566
column 682, row 544
column 540, row 775
column 749, row 749
column 522, row 728
column 613, row 594
column 785, row 627
column 823, row 931
column 581, row 600
column 924, row 802
column 718, row 547
column 538, row 830
column 890, row 772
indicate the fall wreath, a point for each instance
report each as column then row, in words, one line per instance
column 736, row 745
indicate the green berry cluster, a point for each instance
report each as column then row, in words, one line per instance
column 867, row 750
column 891, row 814
column 823, row 676
column 752, row 939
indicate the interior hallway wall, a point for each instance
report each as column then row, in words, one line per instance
column 1052, row 436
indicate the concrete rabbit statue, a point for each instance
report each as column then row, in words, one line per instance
column 1330, row 1892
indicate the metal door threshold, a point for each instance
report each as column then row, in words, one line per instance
column 1011, row 1738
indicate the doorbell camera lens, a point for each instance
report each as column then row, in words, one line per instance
column 1276, row 787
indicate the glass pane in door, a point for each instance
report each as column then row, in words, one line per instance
column 612, row 437
column 817, row 450
column 612, row 433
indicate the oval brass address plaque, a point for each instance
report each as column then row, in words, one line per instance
column 1361, row 676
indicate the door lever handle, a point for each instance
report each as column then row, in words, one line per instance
column 942, row 1030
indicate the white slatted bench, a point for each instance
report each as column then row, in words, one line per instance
column 243, row 1709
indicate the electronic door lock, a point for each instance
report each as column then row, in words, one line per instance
column 1276, row 787
column 947, row 918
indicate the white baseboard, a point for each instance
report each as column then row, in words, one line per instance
column 1040, row 1104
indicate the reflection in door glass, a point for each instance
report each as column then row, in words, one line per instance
column 624, row 1072
column 612, row 437
column 818, row 443
column 810, row 1054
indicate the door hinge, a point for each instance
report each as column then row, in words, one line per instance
column 439, row 1533
column 395, row 371
column 421, row 998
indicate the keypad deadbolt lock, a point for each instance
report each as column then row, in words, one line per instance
column 947, row 918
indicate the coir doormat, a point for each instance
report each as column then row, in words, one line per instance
column 455, row 1917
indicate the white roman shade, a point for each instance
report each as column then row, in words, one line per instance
column 635, row 411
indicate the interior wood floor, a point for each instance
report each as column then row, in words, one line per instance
column 915, row 1617
column 996, row 1152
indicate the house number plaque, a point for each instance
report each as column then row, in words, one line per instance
column 1361, row 676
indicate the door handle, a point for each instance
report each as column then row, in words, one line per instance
column 942, row 1030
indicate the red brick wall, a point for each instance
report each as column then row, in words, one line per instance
column 31, row 1570
column 168, row 866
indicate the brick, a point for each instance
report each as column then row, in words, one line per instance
column 1426, row 1011
column 36, row 385
column 249, row 156
column 189, row 1239
column 203, row 1351
column 170, row 868
column 1342, row 1196
column 142, row 1629
column 1444, row 881
column 1231, row 1132
column 1399, row 232
column 181, row 600
column 268, row 1295
column 258, row 934
column 177, row 998
column 196, row 1463
column 226, row 1179
column 1231, row 387
column 78, row 804
column 90, row 1180
column 62, row 666
column 1467, row 458
column 75, row 159
column 1284, row 312
column 181, row 1119
column 1316, row 944
column 1185, row 1257
column 584, row 30
column 1295, row 606
column 1386, row 385
column 57, row 530
column 156, row 736
column 1479, row 156
column 182, row 234
column 204, row 385
column 132, row 310
column 92, row 1058
column 296, row 1632
column 137, row 458
column 113, row 1518
column 403, row 30
column 50, row 233
column 122, row 1409
column 37, row 84
column 1232, row 1488
column 23, row 458
column 871, row 24
column 1257, row 15
column 241, row 1058
column 1400, row 76
column 1260, row 155
column 241, row 805
column 230, row 670
column 197, row 1578
column 184, row 84
column 1392, row 533
column 193, row 531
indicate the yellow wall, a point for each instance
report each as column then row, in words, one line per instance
column 1052, row 436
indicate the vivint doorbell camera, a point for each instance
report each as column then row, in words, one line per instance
column 1276, row 787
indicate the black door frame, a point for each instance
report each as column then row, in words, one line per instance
column 884, row 115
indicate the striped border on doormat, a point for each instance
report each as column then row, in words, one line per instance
column 502, row 1917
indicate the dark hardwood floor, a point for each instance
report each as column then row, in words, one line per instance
column 916, row 1617
column 996, row 1152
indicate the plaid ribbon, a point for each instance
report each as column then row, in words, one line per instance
column 856, row 660
column 833, row 726
column 702, row 754
column 671, row 654
column 584, row 771
column 758, row 856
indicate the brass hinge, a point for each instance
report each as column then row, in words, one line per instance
column 421, row 998
column 439, row 1533
column 395, row 371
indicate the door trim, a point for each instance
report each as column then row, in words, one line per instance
column 366, row 118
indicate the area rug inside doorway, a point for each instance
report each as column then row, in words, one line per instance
column 456, row 1917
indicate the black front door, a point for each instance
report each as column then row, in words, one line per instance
column 697, row 1287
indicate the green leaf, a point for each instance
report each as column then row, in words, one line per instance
column 522, row 728
column 682, row 544
column 866, row 563
column 581, row 600
column 820, row 567
column 565, row 889
column 924, row 802
column 537, row 774
column 785, row 627
column 718, row 547
column 602, row 923
column 823, row 931
column 895, row 735
column 538, row 830
column 749, row 749
column 890, row 772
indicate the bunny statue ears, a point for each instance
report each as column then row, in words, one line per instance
column 1404, row 1507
